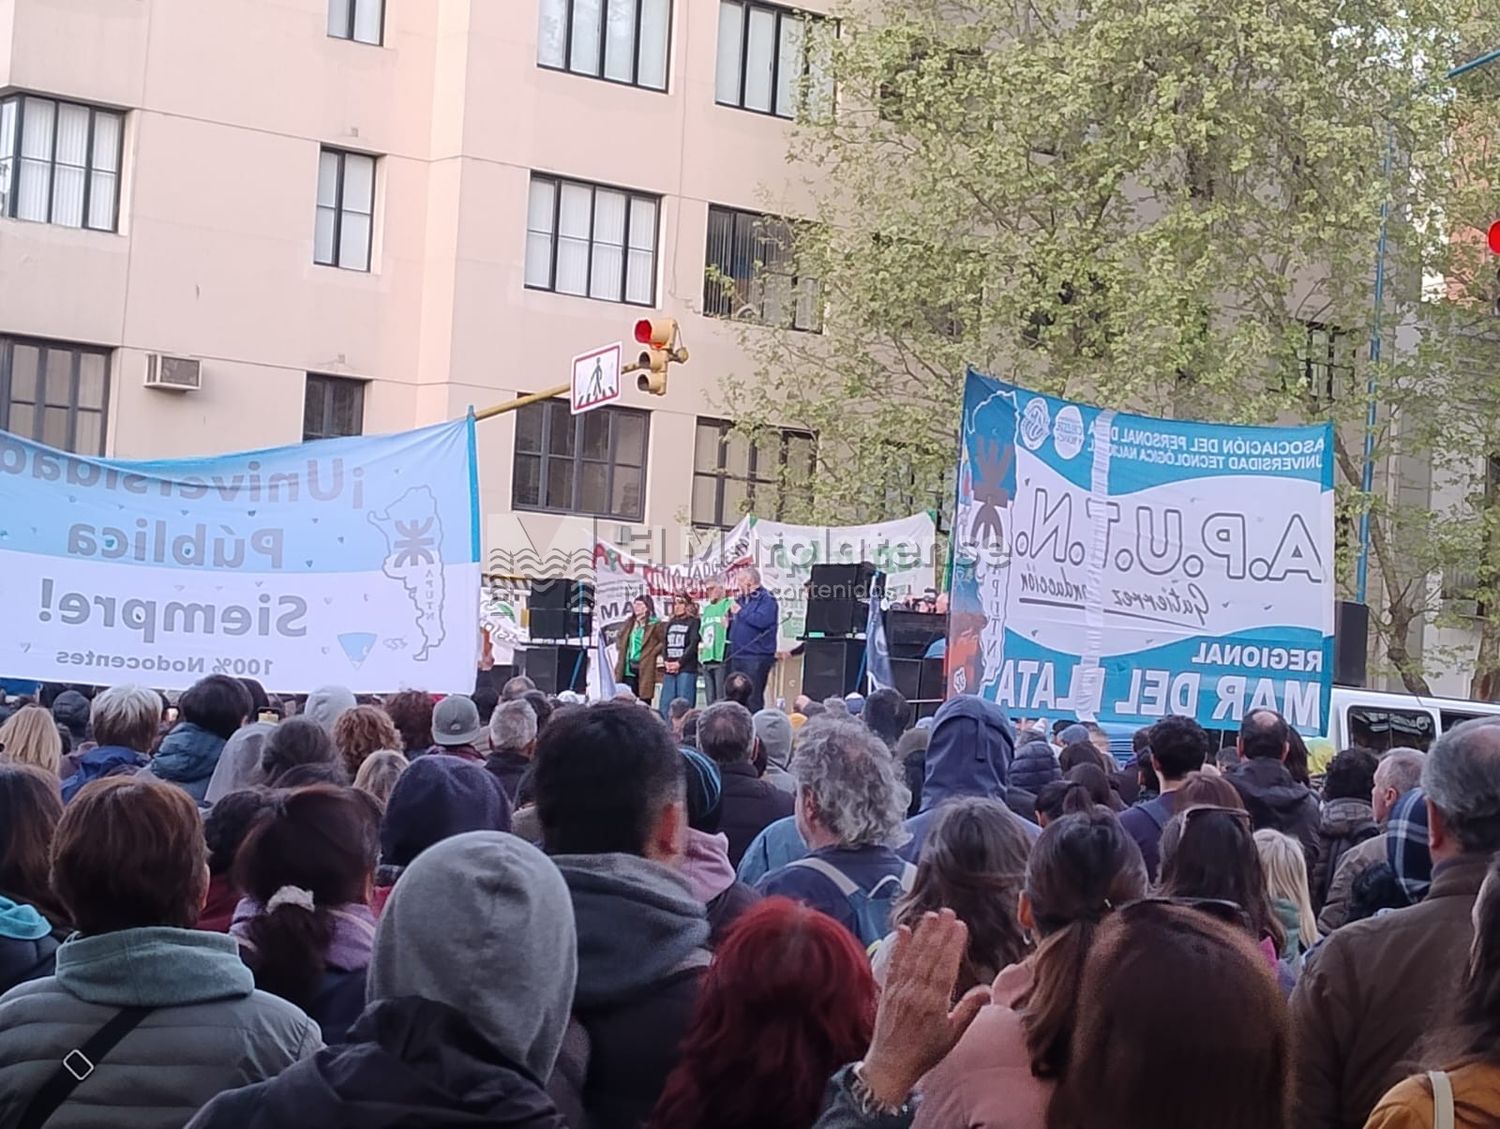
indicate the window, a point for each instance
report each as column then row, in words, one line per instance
column 773, row 60
column 54, row 393
column 733, row 476
column 334, row 406
column 617, row 40
column 751, row 272
column 1324, row 361
column 360, row 20
column 591, row 241
column 346, row 210
column 1379, row 729
column 60, row 162
column 593, row 463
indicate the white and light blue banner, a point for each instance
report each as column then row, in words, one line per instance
column 1120, row 568
column 349, row 561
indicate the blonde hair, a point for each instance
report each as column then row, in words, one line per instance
column 30, row 736
column 1285, row 865
column 379, row 772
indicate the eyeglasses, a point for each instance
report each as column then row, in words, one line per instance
column 1221, row 909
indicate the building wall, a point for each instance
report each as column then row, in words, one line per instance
column 228, row 104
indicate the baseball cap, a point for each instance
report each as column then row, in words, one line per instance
column 455, row 721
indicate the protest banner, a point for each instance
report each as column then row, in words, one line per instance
column 785, row 554
column 350, row 561
column 1121, row 568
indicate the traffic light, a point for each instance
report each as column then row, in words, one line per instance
column 663, row 341
column 1493, row 238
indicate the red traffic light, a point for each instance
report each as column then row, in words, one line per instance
column 643, row 327
column 1494, row 238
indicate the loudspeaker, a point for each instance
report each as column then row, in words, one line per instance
column 1351, row 642
column 907, row 674
column 933, row 683
column 555, row 669
column 908, row 634
column 830, row 667
column 560, row 609
column 838, row 599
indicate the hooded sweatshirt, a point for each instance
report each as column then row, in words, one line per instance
column 469, row 990
column 969, row 755
column 188, row 757
column 1274, row 799
column 326, row 703
column 641, row 955
column 239, row 763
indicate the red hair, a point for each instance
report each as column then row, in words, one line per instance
column 788, row 999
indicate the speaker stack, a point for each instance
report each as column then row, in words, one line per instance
column 838, row 609
column 560, row 615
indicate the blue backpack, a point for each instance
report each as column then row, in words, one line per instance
column 871, row 908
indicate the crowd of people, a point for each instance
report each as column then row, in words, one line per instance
column 233, row 911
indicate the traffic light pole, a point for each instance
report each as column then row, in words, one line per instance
column 522, row 401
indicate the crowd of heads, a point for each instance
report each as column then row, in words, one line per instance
column 1116, row 914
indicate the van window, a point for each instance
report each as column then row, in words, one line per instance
column 1381, row 729
column 1453, row 717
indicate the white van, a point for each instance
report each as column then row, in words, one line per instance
column 1378, row 721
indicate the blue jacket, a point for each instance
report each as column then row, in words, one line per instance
column 755, row 627
column 187, row 758
column 866, row 867
column 99, row 762
column 969, row 755
column 773, row 848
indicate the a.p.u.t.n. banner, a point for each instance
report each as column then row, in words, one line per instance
column 1122, row 568
column 350, row 561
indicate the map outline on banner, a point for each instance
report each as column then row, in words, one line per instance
column 1119, row 567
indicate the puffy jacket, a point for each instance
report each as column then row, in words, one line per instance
column 1275, row 800
column 98, row 763
column 210, row 1030
column 28, row 950
column 409, row 1062
column 749, row 806
column 1346, row 823
column 1369, row 993
column 187, row 758
column 1034, row 766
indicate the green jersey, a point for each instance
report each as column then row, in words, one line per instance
column 714, row 635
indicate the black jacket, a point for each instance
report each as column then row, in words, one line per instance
column 681, row 642
column 749, row 806
column 1345, row 823
column 21, row 961
column 1033, row 767
column 411, row 1063
column 508, row 768
column 633, row 1047
column 1274, row 799
column 726, row 909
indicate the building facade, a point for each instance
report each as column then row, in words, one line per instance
column 346, row 216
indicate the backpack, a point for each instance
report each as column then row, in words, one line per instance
column 871, row 908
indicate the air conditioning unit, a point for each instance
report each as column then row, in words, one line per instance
column 176, row 374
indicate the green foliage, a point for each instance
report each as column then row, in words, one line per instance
column 1143, row 203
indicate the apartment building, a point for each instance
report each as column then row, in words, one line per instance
column 346, row 216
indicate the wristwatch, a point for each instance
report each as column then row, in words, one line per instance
column 865, row 1101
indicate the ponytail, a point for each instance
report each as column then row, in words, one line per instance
column 285, row 946
column 312, row 851
column 1050, row 1008
column 1082, row 866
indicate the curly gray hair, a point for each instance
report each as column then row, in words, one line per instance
column 851, row 777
